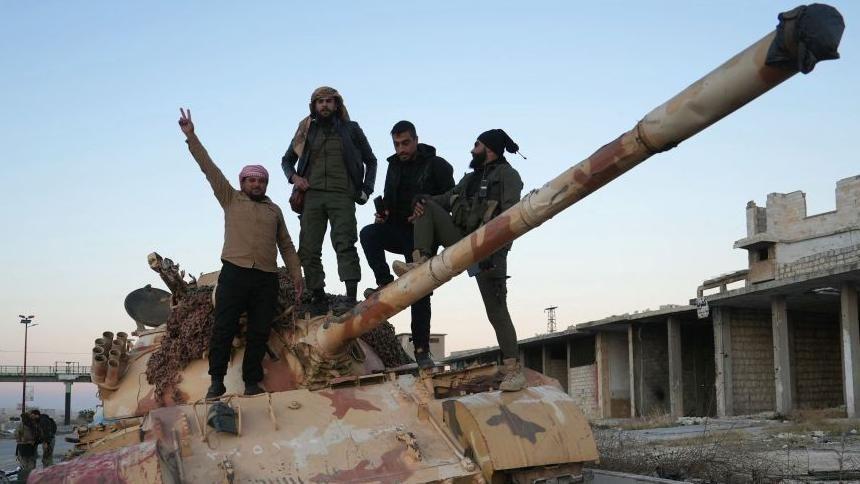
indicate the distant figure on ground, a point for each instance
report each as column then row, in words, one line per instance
column 413, row 169
column 47, row 432
column 254, row 229
column 330, row 160
column 491, row 188
column 25, row 448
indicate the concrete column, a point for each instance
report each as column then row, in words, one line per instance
column 721, row 317
column 567, row 366
column 781, row 354
column 67, row 420
column 631, row 367
column 544, row 360
column 676, row 386
column 850, row 351
column 604, row 397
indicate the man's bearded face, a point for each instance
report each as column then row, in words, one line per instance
column 255, row 187
column 325, row 107
column 479, row 155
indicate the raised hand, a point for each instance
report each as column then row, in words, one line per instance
column 185, row 123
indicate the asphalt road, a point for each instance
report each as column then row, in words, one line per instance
column 7, row 452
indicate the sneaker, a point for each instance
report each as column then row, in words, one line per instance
column 216, row 389
column 514, row 379
column 253, row 389
column 422, row 357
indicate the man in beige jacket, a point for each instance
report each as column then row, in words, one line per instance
column 254, row 230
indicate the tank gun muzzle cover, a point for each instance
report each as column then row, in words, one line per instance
column 148, row 306
column 806, row 35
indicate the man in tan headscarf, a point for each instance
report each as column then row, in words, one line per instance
column 330, row 160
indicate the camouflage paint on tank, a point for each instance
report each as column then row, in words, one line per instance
column 133, row 464
column 384, row 428
column 134, row 396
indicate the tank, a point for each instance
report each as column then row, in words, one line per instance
column 340, row 404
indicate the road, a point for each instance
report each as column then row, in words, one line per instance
column 7, row 452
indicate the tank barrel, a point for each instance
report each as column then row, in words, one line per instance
column 744, row 77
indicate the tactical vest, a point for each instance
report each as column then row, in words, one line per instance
column 327, row 166
column 471, row 211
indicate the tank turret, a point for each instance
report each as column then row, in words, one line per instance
column 335, row 411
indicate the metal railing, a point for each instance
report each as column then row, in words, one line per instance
column 51, row 370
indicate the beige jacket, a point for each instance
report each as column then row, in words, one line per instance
column 252, row 230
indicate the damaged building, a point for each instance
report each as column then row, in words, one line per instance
column 777, row 336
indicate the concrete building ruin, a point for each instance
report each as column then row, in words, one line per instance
column 788, row 338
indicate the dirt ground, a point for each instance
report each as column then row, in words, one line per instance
column 805, row 447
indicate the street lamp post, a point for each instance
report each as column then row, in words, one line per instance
column 27, row 321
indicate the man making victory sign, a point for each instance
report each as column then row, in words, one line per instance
column 254, row 231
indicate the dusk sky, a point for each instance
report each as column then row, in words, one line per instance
column 99, row 176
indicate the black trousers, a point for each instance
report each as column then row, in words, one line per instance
column 376, row 239
column 240, row 290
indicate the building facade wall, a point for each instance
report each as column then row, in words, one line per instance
column 583, row 388
column 697, row 356
column 619, row 374
column 752, row 361
column 827, row 258
column 816, row 360
column 651, row 369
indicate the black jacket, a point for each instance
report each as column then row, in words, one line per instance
column 357, row 155
column 436, row 176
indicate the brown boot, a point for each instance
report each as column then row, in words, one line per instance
column 514, row 379
column 401, row 268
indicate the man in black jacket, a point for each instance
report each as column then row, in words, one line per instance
column 331, row 161
column 47, row 432
column 413, row 169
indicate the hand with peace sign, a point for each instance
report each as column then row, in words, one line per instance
column 185, row 122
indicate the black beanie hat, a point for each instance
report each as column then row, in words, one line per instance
column 498, row 141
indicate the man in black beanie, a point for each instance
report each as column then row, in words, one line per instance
column 491, row 188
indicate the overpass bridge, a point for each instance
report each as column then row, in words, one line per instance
column 67, row 373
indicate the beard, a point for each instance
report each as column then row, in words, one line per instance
column 325, row 116
column 478, row 160
column 257, row 197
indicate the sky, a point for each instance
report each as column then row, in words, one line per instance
column 98, row 175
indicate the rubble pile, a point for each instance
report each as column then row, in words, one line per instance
column 189, row 325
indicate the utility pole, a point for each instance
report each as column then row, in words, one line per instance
column 27, row 321
column 550, row 318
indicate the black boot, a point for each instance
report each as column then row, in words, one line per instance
column 351, row 290
column 216, row 389
column 422, row 357
column 253, row 389
column 319, row 302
